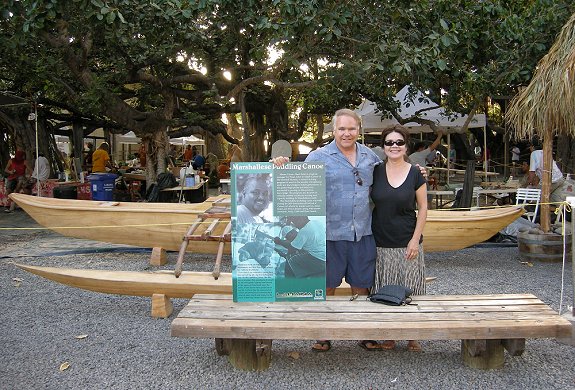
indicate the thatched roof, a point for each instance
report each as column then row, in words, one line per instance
column 547, row 105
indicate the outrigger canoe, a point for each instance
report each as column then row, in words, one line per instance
column 165, row 225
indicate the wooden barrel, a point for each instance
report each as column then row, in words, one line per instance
column 543, row 247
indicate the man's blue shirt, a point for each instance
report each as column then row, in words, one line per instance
column 348, row 213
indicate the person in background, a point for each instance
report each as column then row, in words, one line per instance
column 40, row 173
column 419, row 157
column 16, row 168
column 524, row 167
column 515, row 154
column 188, row 154
column 142, row 155
column 101, row 159
column 536, row 173
column 224, row 170
column 397, row 188
column 87, row 163
column 198, row 160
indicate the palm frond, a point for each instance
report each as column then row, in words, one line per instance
column 547, row 105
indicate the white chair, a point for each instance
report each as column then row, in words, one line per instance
column 529, row 196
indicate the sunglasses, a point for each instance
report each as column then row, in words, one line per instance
column 399, row 142
column 357, row 177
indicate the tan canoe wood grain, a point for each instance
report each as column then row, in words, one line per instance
column 165, row 224
column 144, row 283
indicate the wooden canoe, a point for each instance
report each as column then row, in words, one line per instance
column 144, row 284
column 165, row 224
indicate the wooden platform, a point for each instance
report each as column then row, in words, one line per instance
column 486, row 324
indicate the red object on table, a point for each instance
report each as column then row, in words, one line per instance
column 84, row 192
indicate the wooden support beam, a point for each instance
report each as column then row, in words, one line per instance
column 161, row 306
column 250, row 355
column 515, row 347
column 492, row 357
column 223, row 346
column 158, row 257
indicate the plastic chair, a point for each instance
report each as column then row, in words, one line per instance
column 529, row 196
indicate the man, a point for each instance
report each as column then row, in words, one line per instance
column 255, row 198
column 306, row 250
column 515, row 154
column 350, row 246
column 101, row 159
column 198, row 160
column 536, row 173
column 188, row 153
column 419, row 157
column 41, row 173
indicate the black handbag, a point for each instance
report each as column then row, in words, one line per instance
column 393, row 295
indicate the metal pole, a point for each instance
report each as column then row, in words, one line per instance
column 39, row 190
column 571, row 201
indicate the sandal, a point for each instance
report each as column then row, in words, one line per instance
column 388, row 345
column 321, row 346
column 370, row 345
column 413, row 346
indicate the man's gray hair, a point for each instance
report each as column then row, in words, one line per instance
column 346, row 112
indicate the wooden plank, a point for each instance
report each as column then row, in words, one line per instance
column 346, row 330
column 358, row 306
column 189, row 311
column 371, row 317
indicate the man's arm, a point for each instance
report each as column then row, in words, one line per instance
column 435, row 143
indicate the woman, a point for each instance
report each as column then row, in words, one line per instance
column 397, row 187
column 16, row 170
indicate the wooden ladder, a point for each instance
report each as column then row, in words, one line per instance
column 218, row 216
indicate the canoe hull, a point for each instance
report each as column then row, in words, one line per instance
column 144, row 284
column 145, row 225
column 165, row 224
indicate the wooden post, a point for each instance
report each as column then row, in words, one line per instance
column 250, row 355
column 515, row 347
column 161, row 306
column 482, row 354
column 223, row 346
column 158, row 257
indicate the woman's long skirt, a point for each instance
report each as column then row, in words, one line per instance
column 392, row 268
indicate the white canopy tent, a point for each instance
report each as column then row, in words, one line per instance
column 129, row 138
column 191, row 140
column 411, row 105
column 374, row 121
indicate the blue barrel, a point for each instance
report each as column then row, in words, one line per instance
column 102, row 185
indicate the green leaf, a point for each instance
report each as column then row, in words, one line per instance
column 445, row 40
column 443, row 24
column 441, row 64
column 111, row 17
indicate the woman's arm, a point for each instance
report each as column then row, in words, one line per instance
column 413, row 245
column 8, row 168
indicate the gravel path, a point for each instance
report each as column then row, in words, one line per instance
column 124, row 348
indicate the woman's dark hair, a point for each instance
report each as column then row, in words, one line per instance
column 395, row 129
